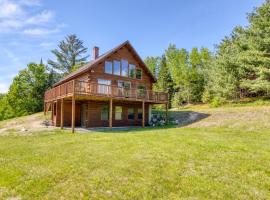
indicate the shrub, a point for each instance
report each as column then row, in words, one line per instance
column 217, row 101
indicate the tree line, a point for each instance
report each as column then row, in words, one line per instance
column 239, row 67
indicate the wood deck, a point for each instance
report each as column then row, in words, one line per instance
column 82, row 89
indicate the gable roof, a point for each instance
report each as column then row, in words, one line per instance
column 102, row 57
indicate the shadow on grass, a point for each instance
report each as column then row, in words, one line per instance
column 183, row 118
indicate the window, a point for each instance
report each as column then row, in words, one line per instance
column 138, row 74
column 104, row 86
column 105, row 112
column 124, row 84
column 124, row 88
column 141, row 91
column 108, row 67
column 104, row 82
column 116, row 67
column 131, row 113
column 124, row 64
column 131, row 70
column 118, row 112
column 139, row 113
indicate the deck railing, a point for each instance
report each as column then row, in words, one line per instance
column 93, row 89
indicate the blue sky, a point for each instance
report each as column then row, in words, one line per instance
column 29, row 29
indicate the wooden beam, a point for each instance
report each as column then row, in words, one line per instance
column 52, row 109
column 62, row 113
column 44, row 108
column 73, row 114
column 110, row 113
column 166, row 116
column 143, row 114
column 56, row 112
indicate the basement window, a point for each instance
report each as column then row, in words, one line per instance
column 118, row 112
column 139, row 113
column 131, row 113
column 105, row 112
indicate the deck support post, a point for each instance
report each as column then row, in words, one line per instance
column 143, row 114
column 166, row 114
column 73, row 114
column 52, row 113
column 44, row 108
column 110, row 112
column 62, row 113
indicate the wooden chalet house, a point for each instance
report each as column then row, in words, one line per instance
column 114, row 89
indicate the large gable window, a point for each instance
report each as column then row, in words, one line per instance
column 139, row 74
column 124, row 64
column 108, row 67
column 131, row 71
column 116, row 67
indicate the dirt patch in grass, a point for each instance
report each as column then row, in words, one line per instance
column 25, row 125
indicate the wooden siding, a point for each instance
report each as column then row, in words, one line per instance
column 94, row 109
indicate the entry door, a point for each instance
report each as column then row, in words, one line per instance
column 84, row 115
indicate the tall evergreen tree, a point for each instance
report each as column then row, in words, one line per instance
column 70, row 53
column 153, row 64
column 165, row 82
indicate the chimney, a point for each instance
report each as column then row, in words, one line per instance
column 95, row 52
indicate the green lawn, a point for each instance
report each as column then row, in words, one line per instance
column 167, row 163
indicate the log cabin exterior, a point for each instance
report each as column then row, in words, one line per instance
column 114, row 89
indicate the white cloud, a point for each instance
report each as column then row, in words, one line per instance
column 10, row 9
column 3, row 88
column 17, row 16
column 44, row 17
column 29, row 2
column 40, row 31
column 46, row 44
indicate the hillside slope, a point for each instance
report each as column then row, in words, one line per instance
column 250, row 118
column 25, row 125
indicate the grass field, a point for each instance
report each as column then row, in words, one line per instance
column 225, row 155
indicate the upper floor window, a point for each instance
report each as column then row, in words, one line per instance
column 124, row 84
column 104, row 86
column 124, row 64
column 138, row 74
column 122, row 68
column 131, row 71
column 116, row 67
column 108, row 67
column 104, row 82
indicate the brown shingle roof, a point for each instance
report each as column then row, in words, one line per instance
column 88, row 66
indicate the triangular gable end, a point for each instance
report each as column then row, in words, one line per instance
column 101, row 58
